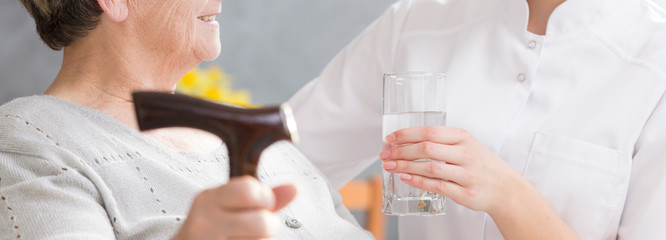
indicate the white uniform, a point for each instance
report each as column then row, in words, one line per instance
column 580, row 112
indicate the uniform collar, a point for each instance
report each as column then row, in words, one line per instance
column 571, row 16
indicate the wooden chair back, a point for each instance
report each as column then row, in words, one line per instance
column 366, row 196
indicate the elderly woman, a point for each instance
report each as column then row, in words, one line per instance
column 74, row 166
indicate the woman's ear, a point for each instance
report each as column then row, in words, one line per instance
column 116, row 10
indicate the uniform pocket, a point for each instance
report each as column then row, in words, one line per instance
column 584, row 182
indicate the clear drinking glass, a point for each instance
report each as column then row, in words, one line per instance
column 411, row 99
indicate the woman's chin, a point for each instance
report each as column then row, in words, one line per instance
column 209, row 53
column 211, row 56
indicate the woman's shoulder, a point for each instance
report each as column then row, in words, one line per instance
column 22, row 103
column 56, row 122
column 444, row 15
column 44, row 121
column 28, row 142
column 637, row 34
column 655, row 47
column 35, row 106
column 28, row 121
column 20, row 113
column 35, row 113
column 435, row 6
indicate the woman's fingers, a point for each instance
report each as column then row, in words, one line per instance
column 436, row 134
column 430, row 169
column 249, row 224
column 250, row 239
column 241, row 209
column 248, row 193
column 428, row 150
column 445, row 188
column 255, row 220
column 242, row 193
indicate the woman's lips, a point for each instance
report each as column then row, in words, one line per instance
column 208, row 18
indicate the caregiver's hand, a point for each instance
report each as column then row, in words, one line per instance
column 471, row 175
column 465, row 170
column 240, row 209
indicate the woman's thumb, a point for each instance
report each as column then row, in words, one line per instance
column 283, row 195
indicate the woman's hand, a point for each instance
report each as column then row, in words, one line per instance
column 463, row 169
column 240, row 209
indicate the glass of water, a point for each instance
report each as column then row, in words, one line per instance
column 411, row 99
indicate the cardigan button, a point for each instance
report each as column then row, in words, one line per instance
column 293, row 223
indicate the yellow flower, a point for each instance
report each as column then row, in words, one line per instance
column 215, row 85
column 188, row 80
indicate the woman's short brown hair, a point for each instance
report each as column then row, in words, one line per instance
column 62, row 22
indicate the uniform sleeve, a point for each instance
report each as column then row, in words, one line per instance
column 42, row 200
column 339, row 113
column 645, row 206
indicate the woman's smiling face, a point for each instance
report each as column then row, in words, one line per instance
column 178, row 28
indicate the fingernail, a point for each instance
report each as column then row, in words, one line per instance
column 389, row 165
column 390, row 138
column 385, row 154
column 405, row 176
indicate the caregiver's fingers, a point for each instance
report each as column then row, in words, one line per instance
column 437, row 134
column 429, row 150
column 430, row 169
column 452, row 190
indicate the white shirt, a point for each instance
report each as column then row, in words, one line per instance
column 580, row 111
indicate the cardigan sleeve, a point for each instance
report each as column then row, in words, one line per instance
column 41, row 199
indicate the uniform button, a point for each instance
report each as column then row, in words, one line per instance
column 293, row 223
column 531, row 44
column 521, row 77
